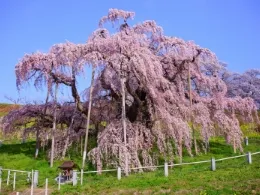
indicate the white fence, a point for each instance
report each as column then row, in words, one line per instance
column 166, row 166
column 30, row 177
column 33, row 176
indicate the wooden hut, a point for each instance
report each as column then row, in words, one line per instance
column 67, row 169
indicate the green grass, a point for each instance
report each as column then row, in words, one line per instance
column 14, row 155
column 233, row 176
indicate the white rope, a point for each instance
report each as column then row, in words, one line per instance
column 146, row 167
column 255, row 153
column 230, row 157
column 189, row 163
column 109, row 170
column 15, row 170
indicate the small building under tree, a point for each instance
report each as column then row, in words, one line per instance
column 67, row 169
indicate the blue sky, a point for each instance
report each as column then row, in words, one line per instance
column 230, row 28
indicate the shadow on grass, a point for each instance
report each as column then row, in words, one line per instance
column 221, row 148
column 28, row 149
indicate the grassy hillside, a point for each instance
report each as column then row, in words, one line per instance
column 233, row 176
column 5, row 108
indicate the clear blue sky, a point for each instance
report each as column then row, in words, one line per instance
column 230, row 28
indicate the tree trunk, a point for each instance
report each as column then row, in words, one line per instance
column 180, row 153
column 24, row 134
column 38, row 130
column 207, row 145
column 88, row 117
column 54, row 125
column 193, row 130
column 66, row 144
column 194, row 140
column 45, row 109
column 68, row 136
column 234, row 146
column 81, row 145
column 46, row 141
column 37, row 143
column 124, row 123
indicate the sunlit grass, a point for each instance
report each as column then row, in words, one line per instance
column 234, row 176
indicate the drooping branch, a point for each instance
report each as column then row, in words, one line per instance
column 157, row 66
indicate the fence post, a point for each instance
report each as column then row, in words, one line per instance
column 14, row 181
column 0, row 179
column 35, row 178
column 81, row 177
column 166, row 173
column 74, row 177
column 246, row 141
column 213, row 164
column 32, row 184
column 46, row 186
column 59, row 181
column 249, row 158
column 8, row 177
column 118, row 173
column 28, row 176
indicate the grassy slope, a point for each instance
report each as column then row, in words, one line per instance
column 5, row 108
column 231, row 177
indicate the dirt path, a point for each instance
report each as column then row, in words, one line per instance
column 37, row 191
